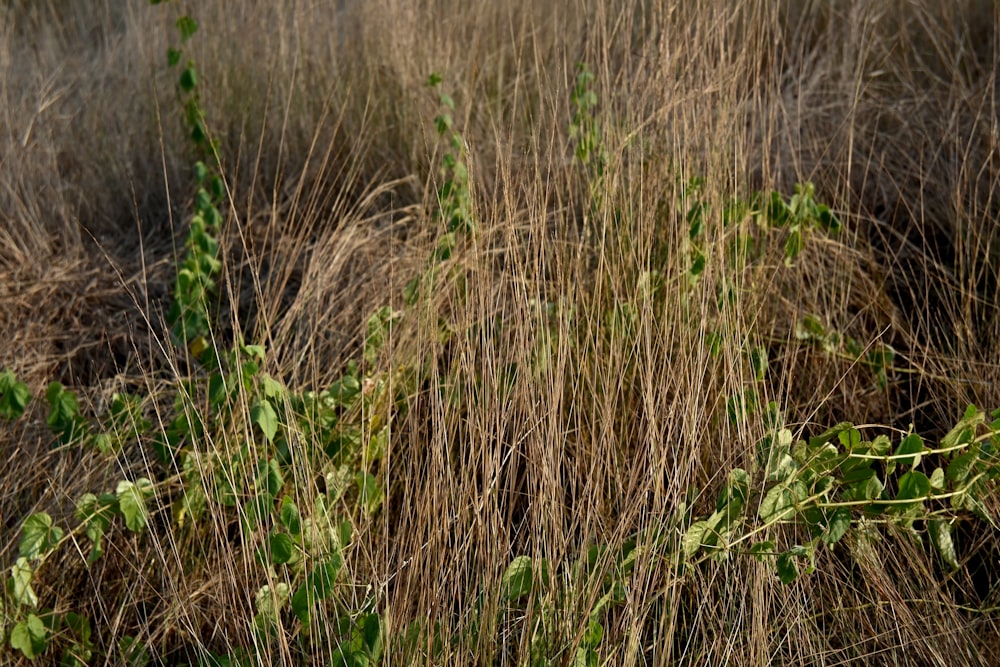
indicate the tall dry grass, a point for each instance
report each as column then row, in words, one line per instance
column 560, row 432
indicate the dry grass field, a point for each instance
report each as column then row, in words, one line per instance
column 589, row 310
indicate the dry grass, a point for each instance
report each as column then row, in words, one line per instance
column 327, row 139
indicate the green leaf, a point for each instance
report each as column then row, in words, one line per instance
column 80, row 625
column 773, row 456
column 188, row 79
column 868, row 487
column 961, row 466
column 344, row 391
column 850, row 438
column 132, row 502
column 940, row 531
column 793, row 244
column 256, row 511
column 269, row 603
column 965, row 430
column 323, row 577
column 281, row 547
column 302, row 602
column 14, row 396
column 133, row 652
column 272, row 388
column 20, row 575
column 518, row 580
column 912, row 485
column 694, row 536
column 857, row 470
column 269, row 477
column 810, row 328
column 788, row 570
column 64, row 414
column 38, row 535
column 758, row 361
column 369, row 491
column 827, row 220
column 778, row 504
column 762, row 550
column 837, row 526
column 187, row 27
column 911, row 444
column 937, row 479
column 289, row 516
column 593, row 635
column 30, row 637
column 263, row 414
column 737, row 488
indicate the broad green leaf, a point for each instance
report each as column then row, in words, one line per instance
column 698, row 263
column 774, row 458
column 188, row 80
column 133, row 652
column 827, row 220
column 859, row 473
column 911, row 444
column 219, row 390
column 819, row 461
column 594, row 633
column 64, row 417
column 344, row 391
column 788, row 570
column 289, row 516
column 937, row 479
column 961, row 466
column 777, row 210
column 30, row 637
column 829, row 434
column 38, row 535
column 850, row 438
column 369, row 491
column 302, row 602
column 20, row 575
column 940, row 531
column 256, row 511
column 737, row 488
column 880, row 446
column 517, row 580
column 323, row 577
column 80, row 625
column 838, row 523
column 14, row 395
column 272, row 388
column 778, row 504
column 965, row 430
column 270, row 601
column 868, row 488
column 810, row 328
column 262, row 413
column 912, row 485
column 318, row 585
column 762, row 550
column 281, row 547
column 793, row 244
column 722, row 522
column 269, row 476
column 693, row 537
column 187, row 27
column 132, row 502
